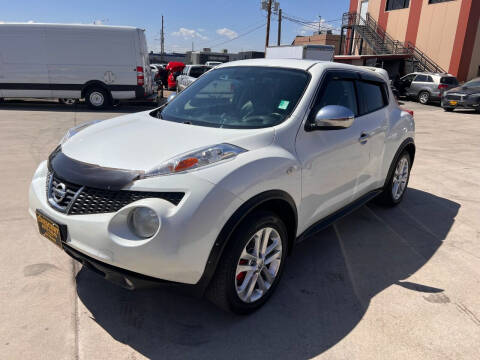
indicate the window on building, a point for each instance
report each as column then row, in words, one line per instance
column 437, row 1
column 397, row 4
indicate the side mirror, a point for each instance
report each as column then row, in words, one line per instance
column 171, row 97
column 333, row 117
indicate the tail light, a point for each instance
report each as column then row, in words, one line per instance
column 140, row 76
column 408, row 111
column 442, row 87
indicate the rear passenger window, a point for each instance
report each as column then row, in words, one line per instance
column 429, row 79
column 338, row 92
column 449, row 80
column 421, row 78
column 372, row 97
column 195, row 72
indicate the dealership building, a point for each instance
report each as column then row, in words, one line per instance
column 427, row 35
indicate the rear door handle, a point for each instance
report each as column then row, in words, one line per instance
column 364, row 138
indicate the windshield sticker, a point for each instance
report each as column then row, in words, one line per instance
column 283, row 104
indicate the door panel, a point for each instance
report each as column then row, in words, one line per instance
column 333, row 162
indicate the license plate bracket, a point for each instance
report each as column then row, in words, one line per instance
column 453, row 102
column 50, row 229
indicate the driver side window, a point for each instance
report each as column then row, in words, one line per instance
column 338, row 91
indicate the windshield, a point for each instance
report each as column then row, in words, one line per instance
column 473, row 83
column 239, row 97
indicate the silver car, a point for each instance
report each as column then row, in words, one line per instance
column 189, row 74
column 426, row 87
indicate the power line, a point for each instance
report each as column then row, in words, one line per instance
column 238, row 36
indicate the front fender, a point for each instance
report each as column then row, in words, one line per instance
column 257, row 171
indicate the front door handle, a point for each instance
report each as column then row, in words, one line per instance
column 364, row 138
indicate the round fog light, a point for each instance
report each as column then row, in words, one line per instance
column 143, row 222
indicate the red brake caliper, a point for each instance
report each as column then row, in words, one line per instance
column 241, row 275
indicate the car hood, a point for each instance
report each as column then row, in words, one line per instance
column 141, row 142
column 465, row 90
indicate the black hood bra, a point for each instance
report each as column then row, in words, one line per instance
column 91, row 175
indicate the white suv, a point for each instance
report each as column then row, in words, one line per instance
column 213, row 190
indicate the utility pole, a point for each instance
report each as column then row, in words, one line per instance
column 319, row 24
column 162, row 42
column 279, row 27
column 269, row 13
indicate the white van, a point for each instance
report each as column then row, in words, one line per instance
column 95, row 62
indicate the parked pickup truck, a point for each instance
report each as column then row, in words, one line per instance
column 189, row 74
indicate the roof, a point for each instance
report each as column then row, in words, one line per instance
column 285, row 63
column 77, row 26
column 298, row 64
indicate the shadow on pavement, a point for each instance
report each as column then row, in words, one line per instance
column 325, row 291
column 45, row 105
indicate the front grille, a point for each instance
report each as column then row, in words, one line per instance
column 84, row 200
column 454, row 97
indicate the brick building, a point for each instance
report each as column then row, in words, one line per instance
column 445, row 32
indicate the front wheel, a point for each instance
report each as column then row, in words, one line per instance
column 251, row 265
column 424, row 97
column 448, row 109
column 397, row 183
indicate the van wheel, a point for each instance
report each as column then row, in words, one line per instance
column 97, row 98
column 424, row 97
column 397, row 183
column 251, row 265
column 68, row 101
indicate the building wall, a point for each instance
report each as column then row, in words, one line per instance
column 437, row 30
column 319, row 39
column 397, row 23
column 447, row 32
column 474, row 70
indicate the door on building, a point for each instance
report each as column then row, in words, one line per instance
column 363, row 10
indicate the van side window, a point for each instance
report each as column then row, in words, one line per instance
column 338, row 92
column 372, row 96
column 429, row 79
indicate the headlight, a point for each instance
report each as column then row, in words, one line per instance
column 76, row 130
column 196, row 159
column 144, row 222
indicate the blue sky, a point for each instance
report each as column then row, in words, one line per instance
column 209, row 23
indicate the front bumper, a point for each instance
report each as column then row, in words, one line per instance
column 463, row 102
column 178, row 252
column 129, row 279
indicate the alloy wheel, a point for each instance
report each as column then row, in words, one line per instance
column 258, row 265
column 400, row 178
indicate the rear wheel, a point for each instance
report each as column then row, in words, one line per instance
column 251, row 265
column 424, row 97
column 97, row 98
column 397, row 183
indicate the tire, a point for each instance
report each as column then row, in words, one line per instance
column 225, row 289
column 68, row 101
column 390, row 195
column 424, row 97
column 97, row 98
column 448, row 109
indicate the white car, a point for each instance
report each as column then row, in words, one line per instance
column 213, row 190
column 189, row 74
